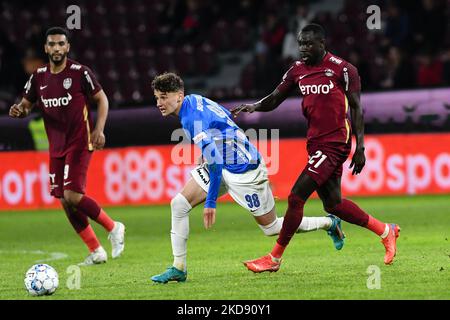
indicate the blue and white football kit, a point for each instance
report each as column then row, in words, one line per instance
column 233, row 164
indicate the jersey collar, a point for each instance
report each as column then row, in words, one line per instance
column 184, row 107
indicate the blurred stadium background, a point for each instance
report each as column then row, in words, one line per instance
column 226, row 49
column 237, row 51
column 234, row 51
column 230, row 51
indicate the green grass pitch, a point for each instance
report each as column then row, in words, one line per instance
column 312, row 268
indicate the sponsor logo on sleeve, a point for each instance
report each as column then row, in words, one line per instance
column 202, row 135
column 89, row 80
column 335, row 60
column 28, row 85
column 202, row 176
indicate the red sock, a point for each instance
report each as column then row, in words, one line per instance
column 105, row 221
column 89, row 207
column 277, row 251
column 78, row 220
column 292, row 220
column 376, row 226
column 350, row 212
column 92, row 209
column 88, row 236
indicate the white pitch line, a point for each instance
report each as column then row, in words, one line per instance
column 53, row 255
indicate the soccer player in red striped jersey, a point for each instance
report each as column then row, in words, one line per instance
column 329, row 86
column 63, row 91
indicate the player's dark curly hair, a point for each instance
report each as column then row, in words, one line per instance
column 315, row 28
column 56, row 30
column 168, row 82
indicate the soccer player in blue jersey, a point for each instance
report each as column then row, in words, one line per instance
column 232, row 165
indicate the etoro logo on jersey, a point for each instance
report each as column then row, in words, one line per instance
column 316, row 89
column 56, row 102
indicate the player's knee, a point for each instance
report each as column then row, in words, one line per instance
column 295, row 191
column 63, row 202
column 330, row 205
column 65, row 206
column 180, row 206
column 295, row 201
column 72, row 198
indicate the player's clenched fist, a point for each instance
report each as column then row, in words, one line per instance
column 98, row 139
column 16, row 111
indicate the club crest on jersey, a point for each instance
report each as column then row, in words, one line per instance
column 67, row 83
column 329, row 72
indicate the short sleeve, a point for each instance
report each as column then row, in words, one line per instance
column 29, row 91
column 287, row 83
column 89, row 82
column 351, row 79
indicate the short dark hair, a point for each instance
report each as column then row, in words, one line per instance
column 315, row 28
column 56, row 30
column 168, row 82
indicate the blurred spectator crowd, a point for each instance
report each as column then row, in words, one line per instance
column 128, row 42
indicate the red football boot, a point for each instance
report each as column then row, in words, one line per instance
column 262, row 264
column 390, row 243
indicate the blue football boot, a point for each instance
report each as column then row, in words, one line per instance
column 171, row 274
column 335, row 232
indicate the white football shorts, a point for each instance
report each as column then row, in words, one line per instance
column 251, row 190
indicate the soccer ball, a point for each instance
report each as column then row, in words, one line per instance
column 41, row 279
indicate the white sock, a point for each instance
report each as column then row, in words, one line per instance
column 386, row 232
column 314, row 223
column 180, row 230
column 308, row 224
column 273, row 228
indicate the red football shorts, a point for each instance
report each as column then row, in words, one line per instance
column 69, row 172
column 326, row 161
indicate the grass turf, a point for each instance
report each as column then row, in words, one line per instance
column 312, row 268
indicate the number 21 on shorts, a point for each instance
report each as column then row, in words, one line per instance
column 317, row 156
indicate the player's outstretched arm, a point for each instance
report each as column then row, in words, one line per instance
column 98, row 137
column 268, row 103
column 215, row 166
column 21, row 110
column 359, row 159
